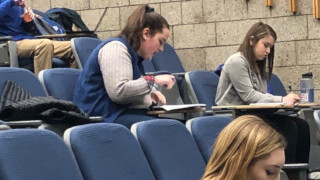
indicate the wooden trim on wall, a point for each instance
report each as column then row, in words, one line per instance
column 269, row 3
column 316, row 7
column 293, row 5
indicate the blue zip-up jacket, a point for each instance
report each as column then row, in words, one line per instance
column 90, row 93
column 11, row 24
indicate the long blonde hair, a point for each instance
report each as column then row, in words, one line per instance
column 241, row 143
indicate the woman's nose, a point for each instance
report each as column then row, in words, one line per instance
column 268, row 50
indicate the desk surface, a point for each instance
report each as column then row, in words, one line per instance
column 189, row 110
column 244, row 107
column 264, row 106
column 80, row 34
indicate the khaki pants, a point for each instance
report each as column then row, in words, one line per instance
column 43, row 50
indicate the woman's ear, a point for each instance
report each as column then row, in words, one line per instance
column 145, row 33
column 251, row 40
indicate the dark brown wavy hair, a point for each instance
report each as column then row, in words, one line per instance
column 143, row 17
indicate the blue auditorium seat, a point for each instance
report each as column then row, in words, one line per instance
column 277, row 86
column 22, row 77
column 31, row 154
column 60, row 82
column 167, row 60
column 82, row 47
column 108, row 151
column 201, row 87
column 205, row 130
column 170, row 149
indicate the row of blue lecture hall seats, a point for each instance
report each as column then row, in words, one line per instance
column 60, row 83
column 162, row 150
column 69, row 96
column 197, row 86
column 87, row 140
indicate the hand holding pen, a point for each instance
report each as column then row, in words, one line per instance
column 166, row 80
column 291, row 99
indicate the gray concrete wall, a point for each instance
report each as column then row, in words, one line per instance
column 206, row 32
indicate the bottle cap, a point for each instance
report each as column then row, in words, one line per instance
column 307, row 75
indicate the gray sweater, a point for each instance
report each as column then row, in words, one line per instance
column 116, row 67
column 239, row 85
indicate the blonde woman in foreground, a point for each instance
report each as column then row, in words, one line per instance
column 247, row 149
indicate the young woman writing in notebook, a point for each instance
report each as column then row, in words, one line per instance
column 113, row 83
column 243, row 80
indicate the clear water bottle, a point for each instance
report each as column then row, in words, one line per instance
column 306, row 88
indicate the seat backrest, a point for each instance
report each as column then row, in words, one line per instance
column 201, row 87
column 108, row 151
column 170, row 149
column 167, row 60
column 22, row 77
column 35, row 154
column 277, row 86
column 82, row 47
column 205, row 130
column 60, row 82
column 148, row 66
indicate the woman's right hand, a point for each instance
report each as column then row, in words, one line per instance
column 157, row 97
column 166, row 80
column 291, row 99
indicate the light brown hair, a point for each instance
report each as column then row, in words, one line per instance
column 239, row 145
column 256, row 32
column 143, row 17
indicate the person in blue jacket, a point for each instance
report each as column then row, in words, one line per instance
column 113, row 83
column 13, row 24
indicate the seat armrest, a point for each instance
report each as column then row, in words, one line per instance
column 96, row 119
column 299, row 170
column 5, row 38
column 296, row 166
column 208, row 113
column 24, row 124
column 181, row 74
column 4, row 127
column 68, row 35
column 157, row 73
column 13, row 54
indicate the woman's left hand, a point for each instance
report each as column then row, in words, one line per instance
column 157, row 96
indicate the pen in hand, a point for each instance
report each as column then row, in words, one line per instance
column 290, row 92
column 290, row 89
